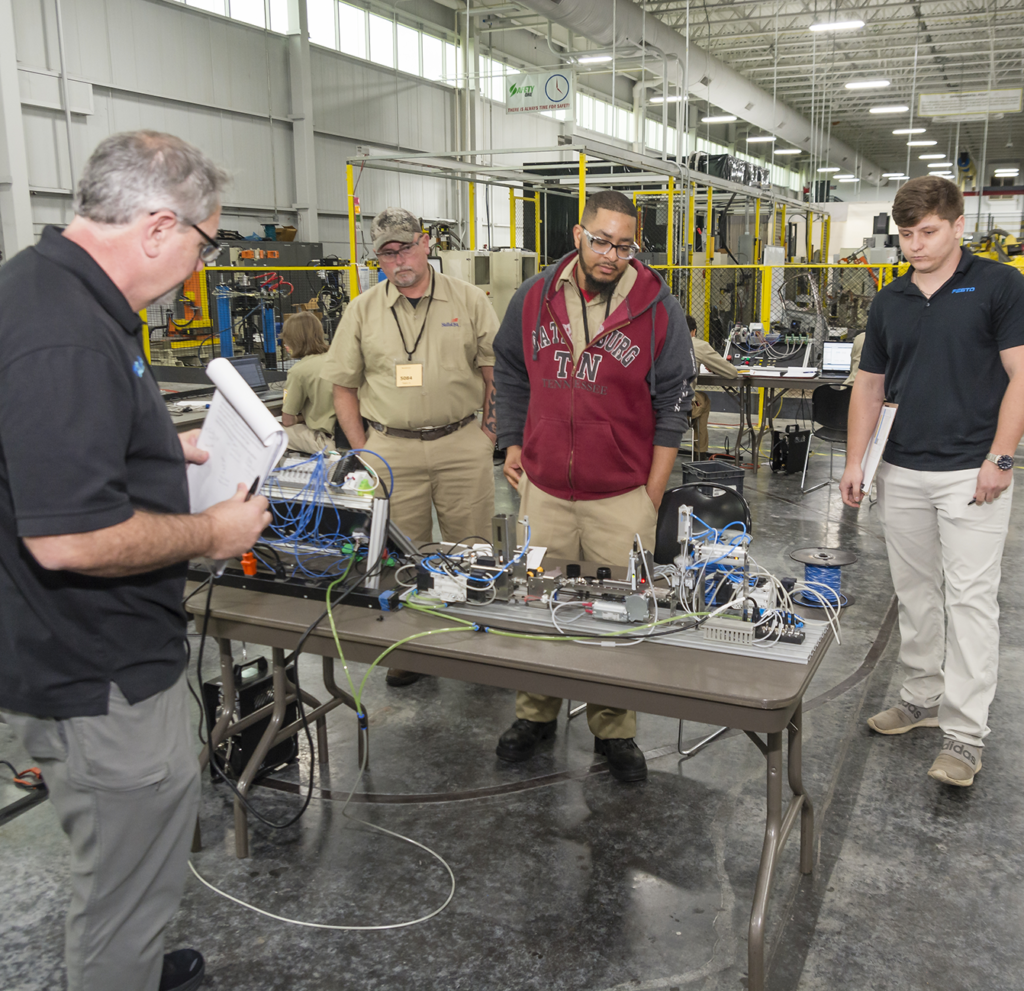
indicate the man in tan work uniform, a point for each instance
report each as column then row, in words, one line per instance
column 414, row 356
column 707, row 356
column 594, row 378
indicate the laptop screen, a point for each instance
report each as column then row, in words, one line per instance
column 835, row 356
column 251, row 370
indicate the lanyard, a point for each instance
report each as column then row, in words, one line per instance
column 423, row 326
column 586, row 326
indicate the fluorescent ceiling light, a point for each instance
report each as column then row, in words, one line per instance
column 788, row 151
column 590, row 59
column 940, row 165
column 830, row 168
column 930, row 154
column 846, row 175
column 1008, row 170
column 720, row 119
column 910, row 130
column 868, row 84
column 894, row 175
column 851, row 179
column 836, row 26
column 663, row 99
column 921, row 144
column 760, row 137
column 889, row 110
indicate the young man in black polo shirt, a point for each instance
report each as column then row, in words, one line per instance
column 94, row 535
column 946, row 343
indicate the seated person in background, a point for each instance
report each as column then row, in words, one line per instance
column 707, row 356
column 308, row 412
column 858, row 346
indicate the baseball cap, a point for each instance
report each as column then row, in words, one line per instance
column 394, row 224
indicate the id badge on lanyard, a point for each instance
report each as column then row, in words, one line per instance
column 408, row 375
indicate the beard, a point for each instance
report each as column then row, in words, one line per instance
column 596, row 282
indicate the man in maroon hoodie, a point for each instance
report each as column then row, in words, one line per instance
column 594, row 375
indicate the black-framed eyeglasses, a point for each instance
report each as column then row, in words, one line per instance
column 210, row 251
column 601, row 246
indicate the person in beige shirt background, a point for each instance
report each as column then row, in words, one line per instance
column 707, row 356
column 308, row 413
column 414, row 356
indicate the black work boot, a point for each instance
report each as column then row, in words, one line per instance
column 520, row 740
column 625, row 759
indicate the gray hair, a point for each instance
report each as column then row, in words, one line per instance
column 144, row 171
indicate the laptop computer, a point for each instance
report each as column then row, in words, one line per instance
column 835, row 359
column 250, row 368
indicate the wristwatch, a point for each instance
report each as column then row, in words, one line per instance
column 1004, row 462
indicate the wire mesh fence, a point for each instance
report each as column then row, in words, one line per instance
column 240, row 310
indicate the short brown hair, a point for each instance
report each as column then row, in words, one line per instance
column 303, row 333
column 926, row 195
column 607, row 199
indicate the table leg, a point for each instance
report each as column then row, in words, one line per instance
column 797, row 787
column 773, row 839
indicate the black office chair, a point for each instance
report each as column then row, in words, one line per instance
column 716, row 505
column 830, row 406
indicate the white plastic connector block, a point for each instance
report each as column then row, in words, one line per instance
column 450, row 589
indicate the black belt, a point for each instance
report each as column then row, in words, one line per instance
column 427, row 433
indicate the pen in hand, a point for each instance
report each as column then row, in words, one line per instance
column 253, row 488
column 972, row 502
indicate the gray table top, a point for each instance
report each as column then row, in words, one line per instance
column 741, row 691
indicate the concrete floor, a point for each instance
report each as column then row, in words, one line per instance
column 566, row 879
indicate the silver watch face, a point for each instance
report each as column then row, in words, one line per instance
column 1004, row 462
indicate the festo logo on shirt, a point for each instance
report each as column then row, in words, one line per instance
column 967, row 289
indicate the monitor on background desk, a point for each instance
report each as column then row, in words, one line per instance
column 250, row 368
column 836, row 357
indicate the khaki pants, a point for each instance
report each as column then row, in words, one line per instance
column 598, row 530
column 455, row 473
column 125, row 787
column 945, row 558
column 301, row 438
column 699, row 413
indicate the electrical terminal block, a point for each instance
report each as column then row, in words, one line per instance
column 724, row 630
column 724, row 555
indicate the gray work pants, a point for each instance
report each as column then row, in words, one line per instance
column 125, row 787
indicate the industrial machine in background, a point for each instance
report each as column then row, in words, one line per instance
column 497, row 273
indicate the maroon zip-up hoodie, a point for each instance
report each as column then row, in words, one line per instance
column 588, row 427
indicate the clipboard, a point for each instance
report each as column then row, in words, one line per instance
column 873, row 452
column 243, row 439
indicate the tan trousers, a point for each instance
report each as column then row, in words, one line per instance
column 945, row 556
column 598, row 530
column 699, row 413
column 301, row 438
column 454, row 473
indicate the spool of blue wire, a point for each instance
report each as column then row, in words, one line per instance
column 830, row 578
column 823, row 571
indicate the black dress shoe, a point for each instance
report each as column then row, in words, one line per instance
column 183, row 970
column 520, row 740
column 399, row 679
column 625, row 759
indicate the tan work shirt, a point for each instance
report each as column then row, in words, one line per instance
column 596, row 308
column 308, row 395
column 707, row 356
column 457, row 342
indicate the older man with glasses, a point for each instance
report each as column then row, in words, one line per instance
column 413, row 356
column 594, row 376
column 93, row 642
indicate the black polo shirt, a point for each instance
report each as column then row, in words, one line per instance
column 84, row 438
column 940, row 358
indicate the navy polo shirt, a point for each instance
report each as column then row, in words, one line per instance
column 940, row 358
column 85, row 438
